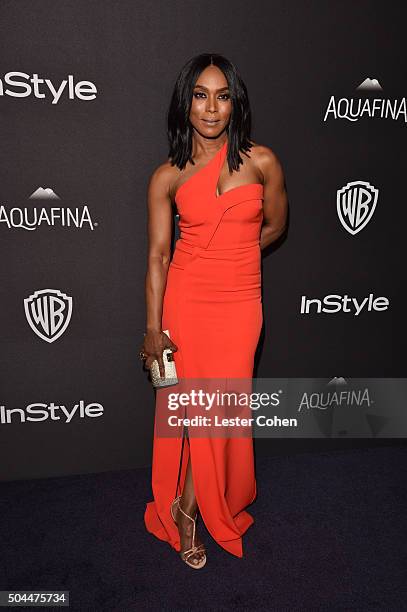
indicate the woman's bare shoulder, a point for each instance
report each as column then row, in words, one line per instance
column 261, row 151
column 265, row 159
column 163, row 177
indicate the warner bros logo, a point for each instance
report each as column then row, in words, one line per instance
column 48, row 312
column 355, row 204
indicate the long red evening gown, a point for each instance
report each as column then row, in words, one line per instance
column 213, row 310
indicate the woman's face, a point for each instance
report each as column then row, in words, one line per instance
column 211, row 105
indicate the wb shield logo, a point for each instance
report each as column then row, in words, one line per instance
column 355, row 204
column 48, row 312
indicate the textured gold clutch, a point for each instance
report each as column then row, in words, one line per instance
column 170, row 373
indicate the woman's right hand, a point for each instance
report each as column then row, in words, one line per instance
column 154, row 344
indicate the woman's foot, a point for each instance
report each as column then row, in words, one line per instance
column 186, row 532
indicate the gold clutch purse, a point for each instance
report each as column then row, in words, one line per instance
column 170, row 373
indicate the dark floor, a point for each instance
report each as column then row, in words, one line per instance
column 329, row 534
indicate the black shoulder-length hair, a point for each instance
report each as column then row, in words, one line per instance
column 179, row 128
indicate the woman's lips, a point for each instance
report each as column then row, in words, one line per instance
column 210, row 122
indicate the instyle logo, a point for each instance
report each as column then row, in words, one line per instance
column 354, row 109
column 39, row 412
column 333, row 303
column 22, row 85
column 355, row 205
column 48, row 313
column 30, row 218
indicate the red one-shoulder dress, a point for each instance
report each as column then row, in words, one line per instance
column 213, row 310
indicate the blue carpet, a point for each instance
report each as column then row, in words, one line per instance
column 329, row 534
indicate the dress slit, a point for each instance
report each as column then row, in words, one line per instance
column 177, row 487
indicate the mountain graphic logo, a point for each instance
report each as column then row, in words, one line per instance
column 337, row 380
column 44, row 194
column 369, row 84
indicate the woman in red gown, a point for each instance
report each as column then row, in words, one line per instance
column 208, row 296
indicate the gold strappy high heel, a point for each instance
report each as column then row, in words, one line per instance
column 185, row 554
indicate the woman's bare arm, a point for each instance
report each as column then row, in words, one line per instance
column 275, row 204
column 159, row 229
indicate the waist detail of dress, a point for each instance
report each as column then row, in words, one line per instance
column 188, row 247
column 231, row 273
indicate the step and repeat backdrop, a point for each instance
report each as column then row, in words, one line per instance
column 84, row 91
